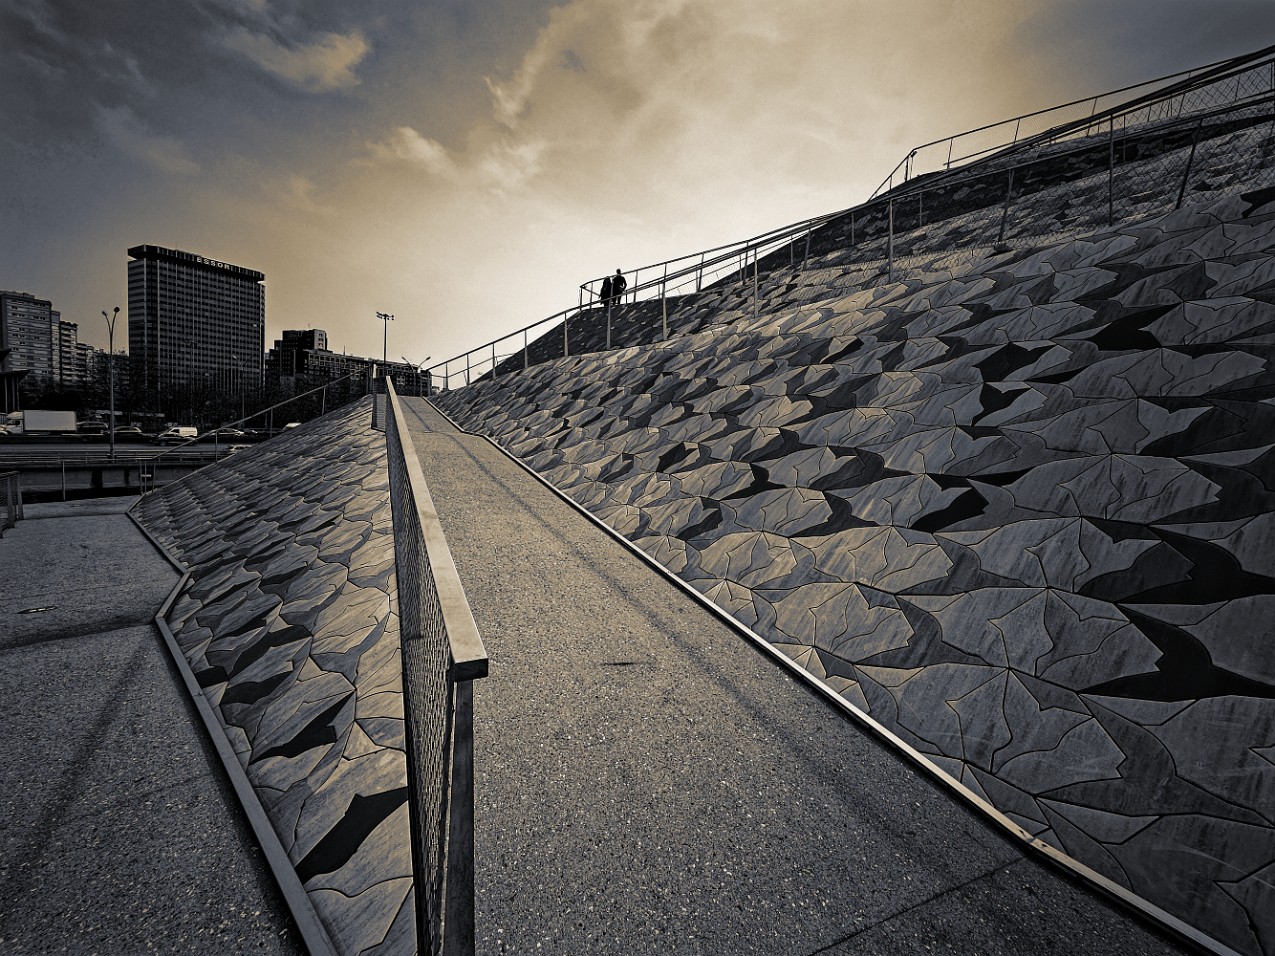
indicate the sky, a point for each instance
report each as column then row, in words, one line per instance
column 464, row 165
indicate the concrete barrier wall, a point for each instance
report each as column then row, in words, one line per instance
column 1017, row 507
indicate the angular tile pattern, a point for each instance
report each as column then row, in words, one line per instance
column 287, row 622
column 1018, row 507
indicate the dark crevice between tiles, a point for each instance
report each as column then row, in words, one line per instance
column 338, row 845
column 319, row 731
column 1185, row 671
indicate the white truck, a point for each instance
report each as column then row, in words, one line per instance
column 40, row 421
column 176, row 435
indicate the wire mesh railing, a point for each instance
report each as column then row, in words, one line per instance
column 1131, row 152
column 341, row 390
column 12, row 513
column 442, row 655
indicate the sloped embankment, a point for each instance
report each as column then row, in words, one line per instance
column 286, row 622
column 1017, row 508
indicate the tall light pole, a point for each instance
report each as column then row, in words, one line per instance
column 110, row 364
column 385, row 339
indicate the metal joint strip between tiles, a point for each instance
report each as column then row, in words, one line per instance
column 313, row 933
column 1052, row 855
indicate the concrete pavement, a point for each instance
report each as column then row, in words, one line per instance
column 649, row 783
column 119, row 833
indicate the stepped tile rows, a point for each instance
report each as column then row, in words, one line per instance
column 1017, row 508
column 287, row 624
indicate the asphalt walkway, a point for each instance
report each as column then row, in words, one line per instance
column 648, row 782
column 119, row 833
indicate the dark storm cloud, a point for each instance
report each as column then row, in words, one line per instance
column 1104, row 44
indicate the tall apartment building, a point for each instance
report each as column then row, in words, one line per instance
column 28, row 330
column 195, row 325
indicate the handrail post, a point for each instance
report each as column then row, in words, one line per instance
column 566, row 350
column 699, row 274
column 467, row 355
column 1009, row 192
column 890, row 241
column 493, row 361
column 526, row 353
column 755, row 251
column 608, row 324
column 664, row 299
column 1111, row 171
column 458, row 919
column 1186, row 173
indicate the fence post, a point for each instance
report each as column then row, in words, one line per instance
column 699, row 274
column 526, row 354
column 1190, row 158
column 755, row 251
column 664, row 299
column 493, row 361
column 608, row 324
column 890, row 241
column 458, row 923
column 1111, row 172
column 467, row 354
column 1009, row 193
column 566, row 350
column 809, row 229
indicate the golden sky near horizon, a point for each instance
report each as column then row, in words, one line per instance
column 464, row 166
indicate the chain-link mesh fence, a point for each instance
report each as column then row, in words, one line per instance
column 434, row 620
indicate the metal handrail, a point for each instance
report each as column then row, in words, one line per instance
column 442, row 655
column 185, row 445
column 487, row 356
column 1196, row 78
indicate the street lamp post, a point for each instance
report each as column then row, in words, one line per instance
column 110, row 360
column 385, row 338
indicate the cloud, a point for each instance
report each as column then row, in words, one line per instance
column 131, row 136
column 325, row 64
column 408, row 146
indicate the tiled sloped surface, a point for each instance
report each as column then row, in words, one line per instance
column 287, row 623
column 1020, row 510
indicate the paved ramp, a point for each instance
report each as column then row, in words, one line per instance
column 648, row 782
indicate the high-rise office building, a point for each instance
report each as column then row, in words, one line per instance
column 196, row 326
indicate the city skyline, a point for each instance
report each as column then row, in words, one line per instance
column 465, row 170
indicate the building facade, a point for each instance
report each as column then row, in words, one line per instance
column 196, row 327
column 301, row 360
column 29, row 338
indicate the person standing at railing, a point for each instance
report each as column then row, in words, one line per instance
column 605, row 297
column 618, row 285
